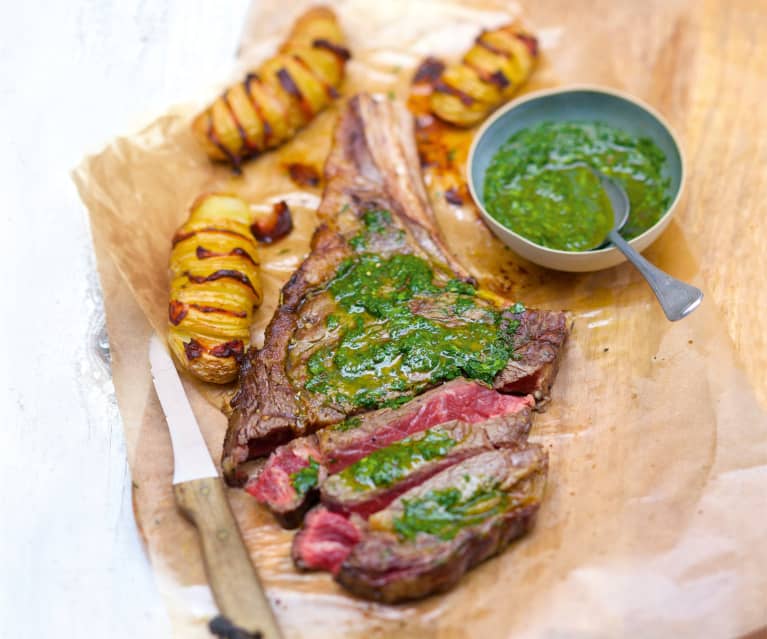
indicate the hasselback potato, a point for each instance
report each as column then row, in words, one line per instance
column 490, row 72
column 215, row 287
column 282, row 95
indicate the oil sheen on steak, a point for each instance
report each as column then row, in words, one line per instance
column 335, row 447
column 372, row 167
column 395, row 561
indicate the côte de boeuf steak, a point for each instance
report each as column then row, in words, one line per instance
column 289, row 479
column 427, row 538
column 379, row 311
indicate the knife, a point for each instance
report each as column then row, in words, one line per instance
column 201, row 497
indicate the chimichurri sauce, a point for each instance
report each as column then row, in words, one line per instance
column 306, row 478
column 402, row 328
column 535, row 187
column 393, row 340
column 388, row 465
column 444, row 512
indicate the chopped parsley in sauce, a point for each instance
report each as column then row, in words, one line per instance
column 443, row 513
column 388, row 465
column 401, row 332
column 536, row 184
column 399, row 325
column 307, row 478
column 348, row 424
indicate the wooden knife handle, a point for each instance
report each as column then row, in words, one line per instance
column 235, row 585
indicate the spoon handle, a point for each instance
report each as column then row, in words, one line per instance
column 676, row 298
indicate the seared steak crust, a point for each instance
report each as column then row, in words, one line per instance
column 267, row 410
column 429, row 566
column 538, row 349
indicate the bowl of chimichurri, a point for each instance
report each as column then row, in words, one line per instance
column 529, row 173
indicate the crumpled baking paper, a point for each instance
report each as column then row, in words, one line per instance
column 652, row 524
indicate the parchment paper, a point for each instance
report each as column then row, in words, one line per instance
column 652, row 524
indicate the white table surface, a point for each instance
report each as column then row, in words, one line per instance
column 72, row 75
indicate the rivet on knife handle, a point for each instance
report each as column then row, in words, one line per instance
column 233, row 579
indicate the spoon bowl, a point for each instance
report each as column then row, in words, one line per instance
column 618, row 200
column 676, row 298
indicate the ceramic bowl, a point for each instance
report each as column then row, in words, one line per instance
column 576, row 103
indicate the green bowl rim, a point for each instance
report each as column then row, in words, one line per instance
column 570, row 89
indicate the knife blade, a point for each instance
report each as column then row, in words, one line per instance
column 191, row 459
column 201, row 497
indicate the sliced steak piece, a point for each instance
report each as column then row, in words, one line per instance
column 289, row 480
column 325, row 540
column 538, row 348
column 379, row 311
column 429, row 537
column 333, row 448
column 373, row 482
column 459, row 400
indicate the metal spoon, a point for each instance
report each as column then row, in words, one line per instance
column 676, row 298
